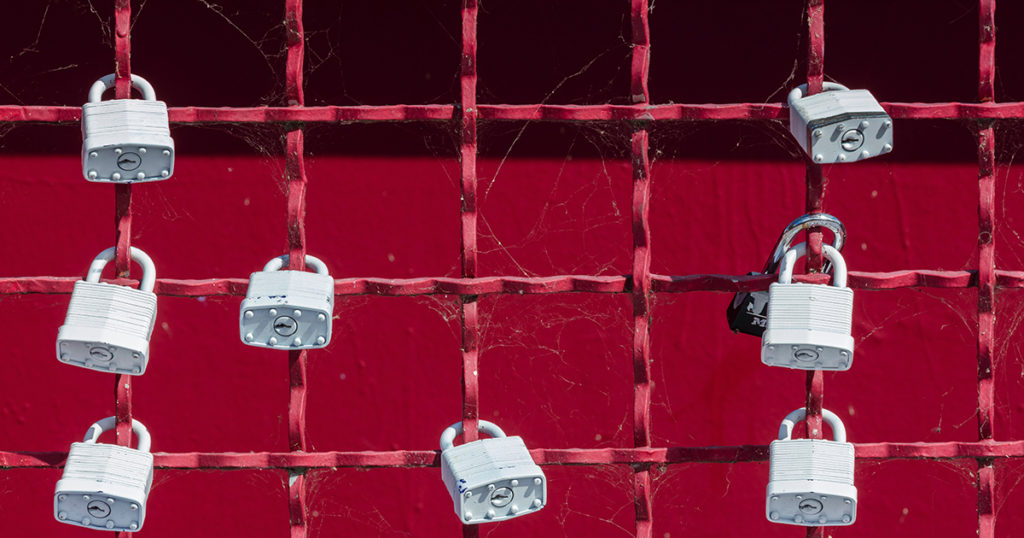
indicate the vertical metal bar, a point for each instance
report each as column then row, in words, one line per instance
column 295, row 176
column 467, row 156
column 816, row 182
column 641, row 274
column 986, row 265
column 122, row 215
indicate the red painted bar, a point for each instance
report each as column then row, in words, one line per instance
column 500, row 112
column 391, row 287
column 641, row 277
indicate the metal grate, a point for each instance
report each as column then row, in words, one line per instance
column 640, row 284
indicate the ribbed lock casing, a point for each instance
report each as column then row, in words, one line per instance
column 287, row 310
column 107, row 328
column 853, row 113
column 104, row 487
column 811, row 483
column 126, row 137
column 808, row 327
column 493, row 480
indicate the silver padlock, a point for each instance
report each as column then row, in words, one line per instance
column 288, row 309
column 809, row 325
column 491, row 479
column 748, row 311
column 126, row 140
column 811, row 480
column 839, row 124
column 107, row 327
column 105, row 486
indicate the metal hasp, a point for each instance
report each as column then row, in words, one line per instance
column 126, row 140
column 839, row 124
column 491, row 479
column 809, row 325
column 810, row 481
column 288, row 309
column 108, row 327
column 748, row 311
column 105, row 486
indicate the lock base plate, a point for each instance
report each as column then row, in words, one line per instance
column 98, row 510
column 826, row 504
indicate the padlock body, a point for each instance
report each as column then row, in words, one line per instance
column 811, row 483
column 288, row 310
column 808, row 327
column 126, row 141
column 748, row 312
column 104, row 487
column 493, row 480
column 840, row 126
column 107, row 328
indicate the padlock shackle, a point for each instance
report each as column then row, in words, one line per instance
column 813, row 220
column 107, row 82
column 277, row 263
column 838, row 264
column 799, row 415
column 100, row 426
column 449, row 433
column 801, row 90
column 140, row 257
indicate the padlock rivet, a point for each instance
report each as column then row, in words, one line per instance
column 93, row 154
column 537, row 481
column 846, row 519
column 822, row 519
column 490, row 487
column 111, row 501
column 775, row 515
column 775, row 498
column 167, row 152
column 513, row 509
column 536, row 503
column 93, row 174
column 887, row 148
column 272, row 341
column 141, row 175
column 62, row 497
column 117, row 151
column 134, row 506
column 469, row 494
column 133, row 525
column 864, row 125
column 321, row 317
column 142, row 150
column 249, row 314
column 798, row 497
column 817, row 133
column 249, row 337
column 115, row 176
column 799, row 519
column 490, row 514
column 841, row 127
column 62, row 515
column 165, row 173
column 86, row 521
column 842, row 157
column 137, row 371
column 321, row 340
column 110, row 524
column 819, row 158
column 515, row 483
column 468, row 515
column 273, row 312
column 85, row 497
column 298, row 313
column 297, row 342
column 888, row 123
column 865, row 154
column 847, row 501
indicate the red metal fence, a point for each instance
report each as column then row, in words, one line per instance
column 645, row 458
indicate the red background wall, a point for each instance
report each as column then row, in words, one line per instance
column 383, row 201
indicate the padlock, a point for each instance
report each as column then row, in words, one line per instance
column 108, row 326
column 748, row 311
column 839, row 124
column 491, row 479
column 809, row 325
column 126, row 140
column 810, row 481
column 288, row 309
column 105, row 486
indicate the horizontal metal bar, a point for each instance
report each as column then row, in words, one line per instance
column 533, row 285
column 543, row 456
column 530, row 112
